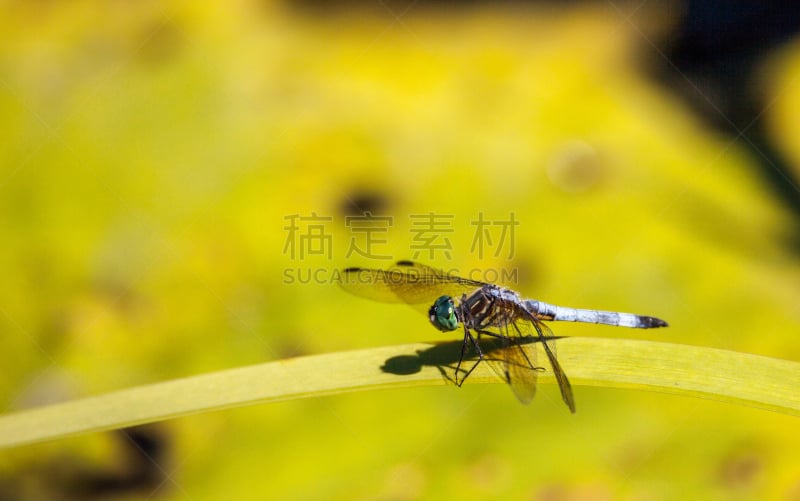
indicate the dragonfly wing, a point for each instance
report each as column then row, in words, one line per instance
column 428, row 275
column 511, row 364
column 385, row 286
column 521, row 364
column 425, row 270
column 530, row 325
column 522, row 371
column 407, row 282
column 546, row 335
column 512, row 361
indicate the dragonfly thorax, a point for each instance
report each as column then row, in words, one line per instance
column 443, row 314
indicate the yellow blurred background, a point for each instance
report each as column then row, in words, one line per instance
column 156, row 156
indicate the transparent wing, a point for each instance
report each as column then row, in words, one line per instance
column 521, row 365
column 530, row 325
column 517, row 366
column 407, row 281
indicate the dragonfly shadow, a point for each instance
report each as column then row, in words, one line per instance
column 446, row 354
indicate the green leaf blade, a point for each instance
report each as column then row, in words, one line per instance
column 727, row 376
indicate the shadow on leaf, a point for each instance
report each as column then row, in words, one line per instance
column 445, row 355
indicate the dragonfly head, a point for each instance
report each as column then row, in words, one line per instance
column 443, row 314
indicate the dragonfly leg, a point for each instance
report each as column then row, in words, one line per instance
column 463, row 352
column 522, row 352
column 468, row 337
column 519, row 332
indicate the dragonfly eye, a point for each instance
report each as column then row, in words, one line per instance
column 443, row 314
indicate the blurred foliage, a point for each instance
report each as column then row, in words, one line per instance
column 152, row 153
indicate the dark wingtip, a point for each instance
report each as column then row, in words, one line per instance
column 405, row 262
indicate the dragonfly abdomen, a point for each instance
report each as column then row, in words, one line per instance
column 617, row 319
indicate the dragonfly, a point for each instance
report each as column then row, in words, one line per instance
column 484, row 309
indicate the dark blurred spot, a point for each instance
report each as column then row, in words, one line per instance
column 739, row 470
column 116, row 292
column 360, row 202
column 53, row 334
column 712, row 61
column 794, row 491
column 163, row 42
column 134, row 469
column 289, row 347
column 575, row 168
column 489, row 471
column 629, row 456
column 146, row 450
column 577, row 490
column 527, row 273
